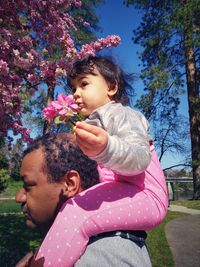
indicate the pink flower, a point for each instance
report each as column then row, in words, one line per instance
column 93, row 47
column 63, row 106
column 49, row 112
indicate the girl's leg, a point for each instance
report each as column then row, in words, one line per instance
column 102, row 208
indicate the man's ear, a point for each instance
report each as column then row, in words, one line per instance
column 112, row 88
column 72, row 184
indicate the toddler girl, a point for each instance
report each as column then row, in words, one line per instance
column 132, row 194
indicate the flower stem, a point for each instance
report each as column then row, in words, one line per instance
column 72, row 122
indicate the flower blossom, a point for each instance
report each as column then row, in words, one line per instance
column 93, row 47
column 62, row 108
column 60, row 72
column 4, row 67
column 32, row 32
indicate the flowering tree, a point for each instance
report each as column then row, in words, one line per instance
column 37, row 45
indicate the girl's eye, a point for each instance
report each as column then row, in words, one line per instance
column 73, row 90
column 84, row 83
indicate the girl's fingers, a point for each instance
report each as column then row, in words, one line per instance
column 88, row 127
column 91, row 139
column 85, row 137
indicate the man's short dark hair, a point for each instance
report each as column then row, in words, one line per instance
column 61, row 155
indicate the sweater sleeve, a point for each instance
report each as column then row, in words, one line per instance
column 128, row 151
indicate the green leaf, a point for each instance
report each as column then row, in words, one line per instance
column 58, row 120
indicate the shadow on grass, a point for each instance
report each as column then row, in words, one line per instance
column 16, row 239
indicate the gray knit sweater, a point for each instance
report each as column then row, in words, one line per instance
column 128, row 151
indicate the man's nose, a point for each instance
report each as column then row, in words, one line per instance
column 21, row 196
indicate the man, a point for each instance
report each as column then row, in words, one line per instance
column 53, row 170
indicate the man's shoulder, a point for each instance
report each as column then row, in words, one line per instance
column 111, row 251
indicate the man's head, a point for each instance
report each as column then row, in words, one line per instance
column 53, row 169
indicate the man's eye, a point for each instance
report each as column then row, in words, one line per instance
column 27, row 187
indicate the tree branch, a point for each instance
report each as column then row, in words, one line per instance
column 177, row 165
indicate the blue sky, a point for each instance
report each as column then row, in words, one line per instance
column 116, row 18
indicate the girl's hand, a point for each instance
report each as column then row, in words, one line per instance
column 91, row 139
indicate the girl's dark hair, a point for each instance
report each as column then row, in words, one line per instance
column 111, row 72
column 61, row 154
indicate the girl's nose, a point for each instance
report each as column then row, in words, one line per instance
column 76, row 93
column 21, row 196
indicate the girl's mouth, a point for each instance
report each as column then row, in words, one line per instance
column 80, row 106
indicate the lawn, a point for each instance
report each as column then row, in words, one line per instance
column 191, row 204
column 9, row 206
column 16, row 239
column 11, row 190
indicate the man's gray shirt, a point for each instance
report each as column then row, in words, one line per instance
column 114, row 251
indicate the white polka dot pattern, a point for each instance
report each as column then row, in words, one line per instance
column 108, row 206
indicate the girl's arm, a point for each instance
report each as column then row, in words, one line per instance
column 126, row 147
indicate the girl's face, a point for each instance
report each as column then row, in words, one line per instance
column 91, row 92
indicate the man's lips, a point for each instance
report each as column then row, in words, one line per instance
column 26, row 212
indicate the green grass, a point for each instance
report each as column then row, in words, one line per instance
column 16, row 239
column 159, row 250
column 191, row 204
column 11, row 190
column 9, row 206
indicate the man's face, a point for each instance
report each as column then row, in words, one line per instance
column 40, row 198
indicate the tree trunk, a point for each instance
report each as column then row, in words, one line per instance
column 194, row 116
column 50, row 97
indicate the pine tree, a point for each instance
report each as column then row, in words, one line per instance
column 170, row 36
